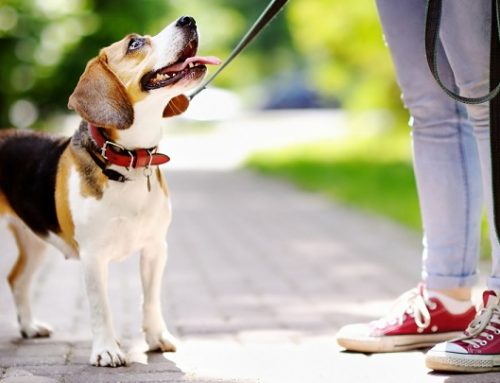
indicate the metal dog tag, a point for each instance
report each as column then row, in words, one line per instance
column 147, row 173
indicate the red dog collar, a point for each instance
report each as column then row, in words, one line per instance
column 118, row 155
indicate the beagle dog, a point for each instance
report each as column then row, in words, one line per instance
column 100, row 196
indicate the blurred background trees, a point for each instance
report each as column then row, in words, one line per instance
column 321, row 53
column 330, row 50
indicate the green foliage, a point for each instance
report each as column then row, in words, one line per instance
column 342, row 45
column 45, row 44
column 373, row 173
column 337, row 46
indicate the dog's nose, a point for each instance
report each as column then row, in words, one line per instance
column 186, row 21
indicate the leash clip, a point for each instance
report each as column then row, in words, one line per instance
column 147, row 169
column 150, row 152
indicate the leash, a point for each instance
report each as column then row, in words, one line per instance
column 264, row 19
column 433, row 20
column 180, row 103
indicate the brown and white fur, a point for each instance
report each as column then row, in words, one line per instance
column 52, row 191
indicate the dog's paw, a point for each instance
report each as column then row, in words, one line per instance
column 162, row 341
column 111, row 356
column 35, row 330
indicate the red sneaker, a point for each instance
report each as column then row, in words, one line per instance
column 415, row 321
column 478, row 350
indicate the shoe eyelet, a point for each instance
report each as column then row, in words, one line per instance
column 476, row 346
column 432, row 305
column 483, row 343
column 490, row 337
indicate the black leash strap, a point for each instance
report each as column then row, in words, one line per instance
column 265, row 18
column 433, row 19
column 495, row 113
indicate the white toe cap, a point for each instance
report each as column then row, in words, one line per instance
column 448, row 347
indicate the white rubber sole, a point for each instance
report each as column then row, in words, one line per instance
column 449, row 361
column 394, row 343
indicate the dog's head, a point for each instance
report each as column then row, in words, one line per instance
column 136, row 69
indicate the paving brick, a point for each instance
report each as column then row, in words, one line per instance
column 29, row 379
column 14, row 375
column 259, row 278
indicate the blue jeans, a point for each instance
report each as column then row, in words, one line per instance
column 450, row 140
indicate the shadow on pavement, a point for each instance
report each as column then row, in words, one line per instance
column 48, row 361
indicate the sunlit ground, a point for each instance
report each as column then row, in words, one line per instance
column 239, row 335
column 260, row 275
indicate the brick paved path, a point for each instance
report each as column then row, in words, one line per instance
column 259, row 279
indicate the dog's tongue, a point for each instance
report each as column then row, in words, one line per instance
column 205, row 60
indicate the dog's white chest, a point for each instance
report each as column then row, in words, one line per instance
column 124, row 220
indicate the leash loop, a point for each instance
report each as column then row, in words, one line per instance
column 433, row 19
column 432, row 24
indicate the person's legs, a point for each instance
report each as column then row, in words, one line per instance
column 446, row 161
column 465, row 35
column 447, row 171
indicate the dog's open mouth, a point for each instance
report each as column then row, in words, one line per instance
column 188, row 64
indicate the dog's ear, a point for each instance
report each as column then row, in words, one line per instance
column 177, row 105
column 101, row 98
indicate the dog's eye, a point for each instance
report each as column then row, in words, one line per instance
column 135, row 43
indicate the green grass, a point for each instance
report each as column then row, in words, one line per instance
column 372, row 173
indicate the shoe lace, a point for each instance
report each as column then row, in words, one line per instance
column 482, row 327
column 413, row 303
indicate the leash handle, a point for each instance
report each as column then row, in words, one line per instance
column 432, row 23
column 265, row 18
column 433, row 18
column 495, row 117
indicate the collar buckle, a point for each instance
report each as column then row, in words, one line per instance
column 111, row 143
column 105, row 147
column 117, row 154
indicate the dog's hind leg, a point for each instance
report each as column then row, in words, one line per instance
column 31, row 254
column 153, row 261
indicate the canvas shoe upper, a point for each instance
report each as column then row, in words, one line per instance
column 479, row 347
column 415, row 321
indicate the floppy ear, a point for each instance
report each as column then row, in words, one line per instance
column 176, row 106
column 101, row 98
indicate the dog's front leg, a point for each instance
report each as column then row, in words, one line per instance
column 153, row 260
column 105, row 350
